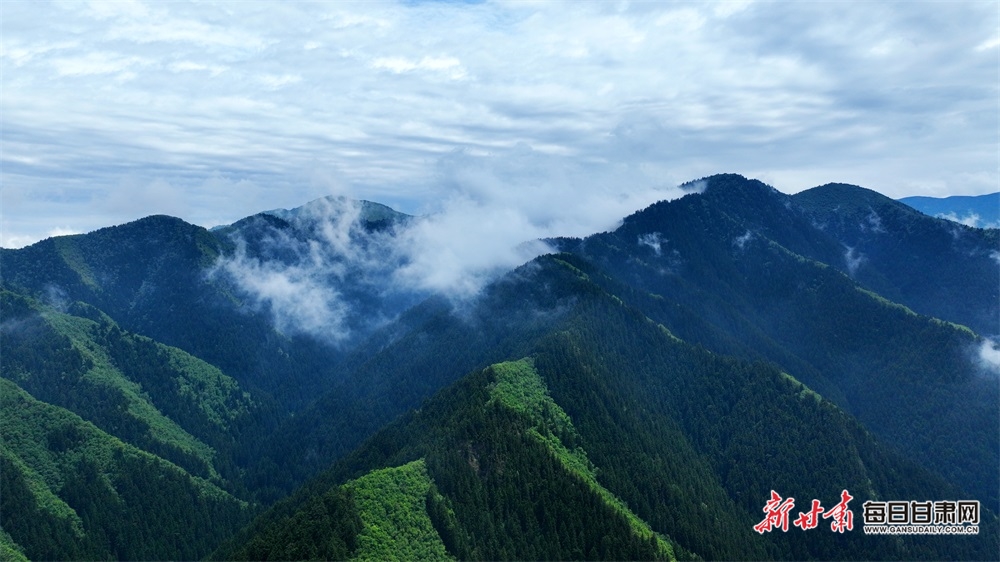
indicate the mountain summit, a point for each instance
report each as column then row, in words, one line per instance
column 371, row 214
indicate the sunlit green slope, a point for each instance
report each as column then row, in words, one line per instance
column 152, row 396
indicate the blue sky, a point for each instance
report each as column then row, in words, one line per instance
column 560, row 117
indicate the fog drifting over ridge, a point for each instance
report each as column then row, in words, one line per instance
column 213, row 111
column 500, row 209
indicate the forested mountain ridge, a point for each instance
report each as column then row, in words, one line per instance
column 121, row 443
column 918, row 261
column 157, row 398
column 740, row 270
column 690, row 441
column 72, row 491
column 674, row 346
column 934, row 266
column 152, row 277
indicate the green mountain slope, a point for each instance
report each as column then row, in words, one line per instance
column 152, row 277
column 429, row 347
column 154, row 397
column 9, row 550
column 395, row 525
column 522, row 493
column 618, row 436
column 71, row 491
column 519, row 387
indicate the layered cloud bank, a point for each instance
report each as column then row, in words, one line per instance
column 213, row 111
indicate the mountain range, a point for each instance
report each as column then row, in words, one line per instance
column 973, row 210
column 278, row 388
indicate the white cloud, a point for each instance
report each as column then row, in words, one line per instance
column 345, row 20
column 853, row 259
column 190, row 66
column 137, row 22
column 20, row 241
column 741, row 241
column 895, row 97
column 989, row 356
column 61, row 231
column 494, row 209
column 17, row 240
column 274, row 81
column 467, row 244
column 652, row 240
column 991, row 43
column 298, row 301
column 450, row 66
column 873, row 222
column 97, row 63
column 296, row 278
column 971, row 219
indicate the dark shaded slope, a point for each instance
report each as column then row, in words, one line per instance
column 707, row 268
column 935, row 267
column 756, row 428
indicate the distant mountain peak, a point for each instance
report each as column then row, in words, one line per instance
column 369, row 212
column 849, row 191
column 980, row 211
column 846, row 198
column 732, row 182
column 734, row 189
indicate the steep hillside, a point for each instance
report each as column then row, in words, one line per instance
column 714, row 269
column 429, row 347
column 538, row 499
